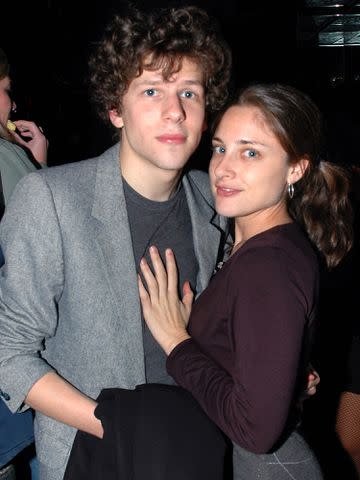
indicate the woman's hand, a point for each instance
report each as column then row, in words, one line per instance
column 313, row 382
column 166, row 315
column 37, row 142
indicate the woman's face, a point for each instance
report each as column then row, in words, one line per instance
column 5, row 100
column 249, row 169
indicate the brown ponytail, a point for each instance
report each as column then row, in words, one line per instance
column 322, row 206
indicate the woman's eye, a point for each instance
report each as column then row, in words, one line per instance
column 218, row 149
column 251, row 153
column 150, row 92
column 187, row 94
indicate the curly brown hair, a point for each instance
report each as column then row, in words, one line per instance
column 321, row 200
column 160, row 39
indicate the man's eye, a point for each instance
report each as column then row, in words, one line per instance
column 218, row 149
column 187, row 94
column 150, row 92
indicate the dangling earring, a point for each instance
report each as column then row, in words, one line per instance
column 13, row 107
column 290, row 190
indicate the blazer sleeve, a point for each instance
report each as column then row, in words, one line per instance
column 31, row 283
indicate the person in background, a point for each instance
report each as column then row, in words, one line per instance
column 348, row 413
column 22, row 150
column 242, row 350
column 18, row 157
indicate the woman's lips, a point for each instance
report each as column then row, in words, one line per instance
column 226, row 192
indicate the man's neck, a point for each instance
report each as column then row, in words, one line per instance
column 156, row 191
column 158, row 185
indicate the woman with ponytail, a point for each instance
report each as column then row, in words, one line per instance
column 244, row 350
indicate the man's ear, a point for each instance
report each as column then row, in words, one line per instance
column 115, row 118
column 297, row 170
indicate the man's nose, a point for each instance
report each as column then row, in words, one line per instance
column 174, row 109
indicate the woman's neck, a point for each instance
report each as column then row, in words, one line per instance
column 248, row 228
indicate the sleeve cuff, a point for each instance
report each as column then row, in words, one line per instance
column 185, row 346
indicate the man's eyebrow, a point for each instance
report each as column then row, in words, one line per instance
column 158, row 81
column 194, row 82
column 150, row 81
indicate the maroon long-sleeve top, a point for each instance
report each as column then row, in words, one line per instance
column 250, row 329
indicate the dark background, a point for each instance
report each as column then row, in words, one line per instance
column 48, row 43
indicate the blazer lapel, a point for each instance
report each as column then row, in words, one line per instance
column 114, row 240
column 208, row 231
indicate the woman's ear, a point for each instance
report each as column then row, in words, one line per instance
column 297, row 170
column 116, row 119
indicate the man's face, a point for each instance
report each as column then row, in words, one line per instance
column 162, row 121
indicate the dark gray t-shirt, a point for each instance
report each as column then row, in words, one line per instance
column 164, row 224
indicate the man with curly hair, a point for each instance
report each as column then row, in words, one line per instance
column 76, row 329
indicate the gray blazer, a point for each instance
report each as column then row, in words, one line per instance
column 68, row 291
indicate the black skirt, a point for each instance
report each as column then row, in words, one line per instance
column 155, row 432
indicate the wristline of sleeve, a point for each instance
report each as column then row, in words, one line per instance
column 173, row 361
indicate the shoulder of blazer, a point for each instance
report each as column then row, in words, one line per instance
column 79, row 173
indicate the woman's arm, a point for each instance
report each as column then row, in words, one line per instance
column 251, row 404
